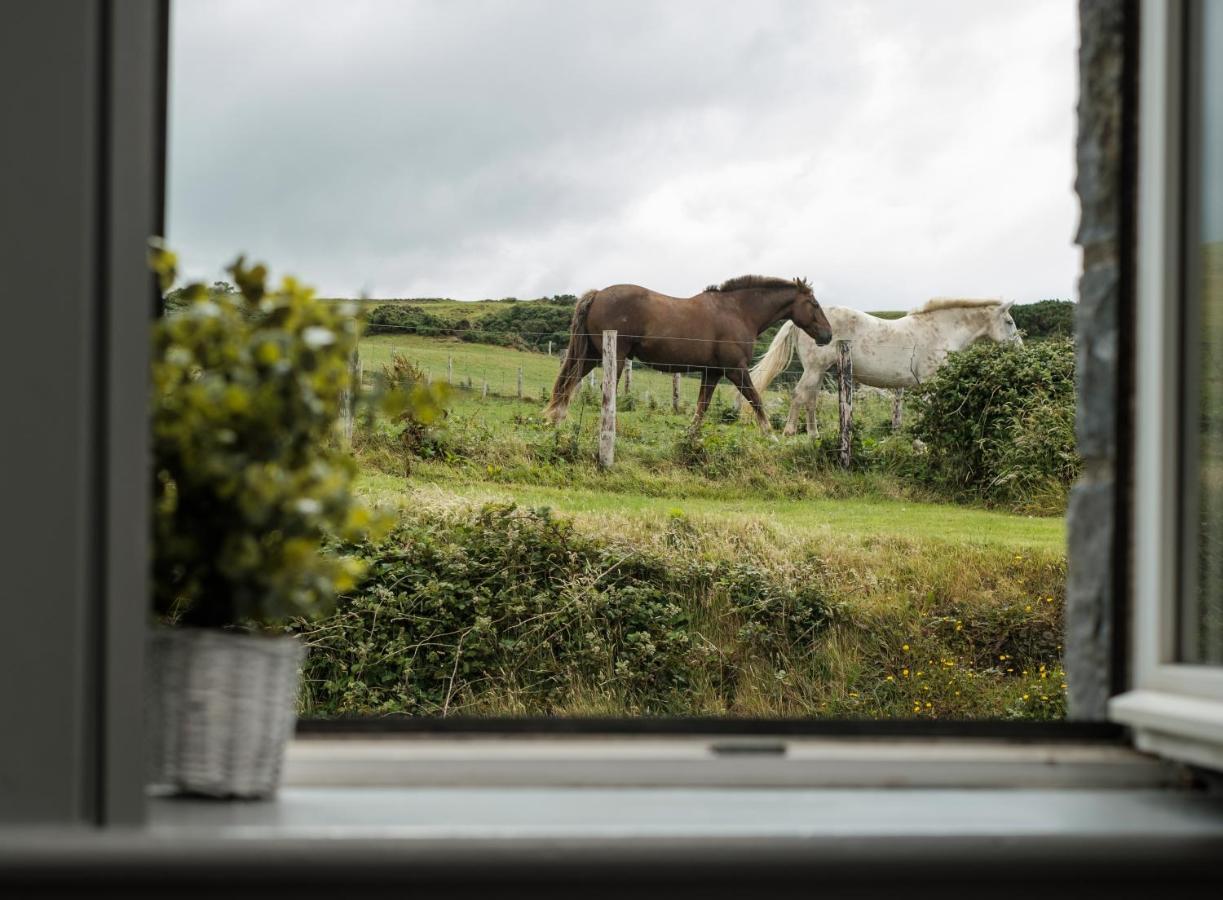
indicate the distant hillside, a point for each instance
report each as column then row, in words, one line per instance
column 527, row 324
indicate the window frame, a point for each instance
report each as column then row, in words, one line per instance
column 1174, row 708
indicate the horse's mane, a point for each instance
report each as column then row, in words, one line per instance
column 938, row 303
column 744, row 282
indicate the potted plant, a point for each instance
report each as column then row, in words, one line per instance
column 250, row 486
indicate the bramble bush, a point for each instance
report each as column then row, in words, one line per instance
column 511, row 608
column 998, row 422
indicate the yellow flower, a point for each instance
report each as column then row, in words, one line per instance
column 1028, row 608
column 1025, row 696
column 891, row 678
column 905, row 648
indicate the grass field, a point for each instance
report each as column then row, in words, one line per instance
column 940, row 609
column 499, row 367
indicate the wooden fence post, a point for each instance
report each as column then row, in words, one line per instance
column 897, row 404
column 484, row 391
column 675, row 393
column 520, row 382
column 549, row 348
column 449, row 369
column 607, row 424
column 628, row 377
column 591, row 379
column 348, row 397
column 845, row 394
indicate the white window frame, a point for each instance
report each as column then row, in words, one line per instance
column 1175, row 709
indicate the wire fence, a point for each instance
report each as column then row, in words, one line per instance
column 476, row 366
column 501, row 368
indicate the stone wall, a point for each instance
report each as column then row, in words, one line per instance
column 1103, row 116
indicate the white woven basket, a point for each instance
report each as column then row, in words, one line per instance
column 221, row 708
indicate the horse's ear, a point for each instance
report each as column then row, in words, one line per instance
column 1006, row 307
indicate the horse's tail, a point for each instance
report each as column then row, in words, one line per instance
column 580, row 349
column 776, row 358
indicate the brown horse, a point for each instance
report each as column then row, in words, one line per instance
column 713, row 332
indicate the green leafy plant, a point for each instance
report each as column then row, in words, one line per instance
column 249, row 479
column 998, row 421
column 506, row 605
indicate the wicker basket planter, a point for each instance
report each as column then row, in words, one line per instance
column 221, row 708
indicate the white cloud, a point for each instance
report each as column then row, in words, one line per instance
column 889, row 151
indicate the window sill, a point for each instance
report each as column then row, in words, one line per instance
column 695, row 761
column 1176, row 726
column 565, row 842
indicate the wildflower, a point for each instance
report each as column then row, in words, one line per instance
column 905, row 648
column 959, row 626
column 904, row 672
column 1025, row 696
column 891, row 678
column 1028, row 608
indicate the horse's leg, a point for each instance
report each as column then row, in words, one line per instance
column 804, row 393
column 743, row 381
column 709, row 381
column 792, row 419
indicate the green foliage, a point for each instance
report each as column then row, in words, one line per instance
column 1045, row 319
column 247, row 386
column 415, row 426
column 527, row 326
column 998, row 421
column 399, row 318
column 515, row 601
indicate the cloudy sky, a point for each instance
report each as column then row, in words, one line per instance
column 888, row 151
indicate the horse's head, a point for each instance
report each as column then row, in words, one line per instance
column 1001, row 326
column 806, row 313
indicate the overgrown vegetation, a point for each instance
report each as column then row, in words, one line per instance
column 998, row 422
column 530, row 325
column 504, row 610
column 1045, row 319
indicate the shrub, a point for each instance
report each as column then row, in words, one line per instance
column 247, row 386
column 399, row 318
column 525, row 325
column 1045, row 319
column 506, row 605
column 999, row 422
column 414, row 426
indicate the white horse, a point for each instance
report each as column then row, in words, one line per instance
column 886, row 353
